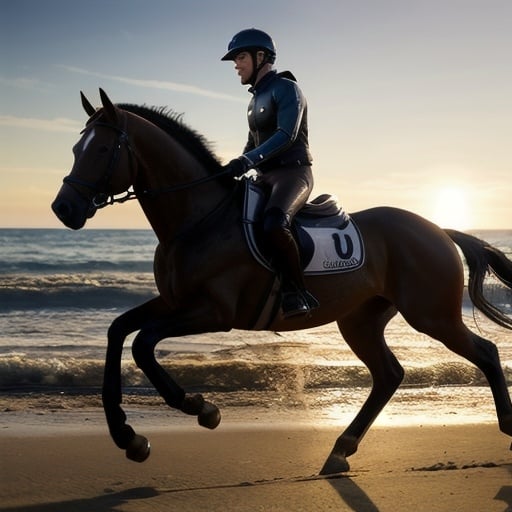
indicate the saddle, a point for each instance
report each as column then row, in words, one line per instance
column 328, row 239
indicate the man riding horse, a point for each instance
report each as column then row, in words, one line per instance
column 278, row 148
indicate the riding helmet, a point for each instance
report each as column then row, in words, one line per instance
column 251, row 39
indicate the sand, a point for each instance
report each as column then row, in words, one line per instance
column 64, row 461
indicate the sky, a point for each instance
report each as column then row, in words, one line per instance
column 409, row 101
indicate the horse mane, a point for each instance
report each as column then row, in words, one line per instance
column 172, row 123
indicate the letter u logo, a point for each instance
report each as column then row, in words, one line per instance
column 344, row 255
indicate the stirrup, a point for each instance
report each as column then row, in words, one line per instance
column 298, row 303
column 311, row 300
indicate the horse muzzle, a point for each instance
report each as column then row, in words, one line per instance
column 71, row 208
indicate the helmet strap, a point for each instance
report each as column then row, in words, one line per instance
column 255, row 67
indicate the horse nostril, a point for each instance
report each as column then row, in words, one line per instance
column 62, row 209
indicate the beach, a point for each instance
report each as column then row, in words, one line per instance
column 284, row 396
column 64, row 461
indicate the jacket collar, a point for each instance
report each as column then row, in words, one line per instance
column 267, row 78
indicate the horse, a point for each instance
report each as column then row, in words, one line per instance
column 208, row 280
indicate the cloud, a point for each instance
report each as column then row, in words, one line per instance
column 25, row 83
column 158, row 84
column 59, row 124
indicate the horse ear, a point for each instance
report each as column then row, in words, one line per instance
column 89, row 109
column 108, row 106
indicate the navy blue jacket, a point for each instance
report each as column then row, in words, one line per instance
column 278, row 127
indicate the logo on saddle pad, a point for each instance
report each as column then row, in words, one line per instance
column 328, row 239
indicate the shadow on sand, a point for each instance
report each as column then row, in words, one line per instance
column 353, row 496
column 104, row 503
column 505, row 493
column 350, row 493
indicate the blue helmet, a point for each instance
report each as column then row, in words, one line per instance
column 251, row 39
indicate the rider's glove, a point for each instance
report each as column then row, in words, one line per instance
column 238, row 166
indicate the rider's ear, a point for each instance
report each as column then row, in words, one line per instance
column 89, row 109
column 260, row 57
column 108, row 106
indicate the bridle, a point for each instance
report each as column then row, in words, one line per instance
column 103, row 196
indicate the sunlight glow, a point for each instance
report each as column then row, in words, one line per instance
column 451, row 208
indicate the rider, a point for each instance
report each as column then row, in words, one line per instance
column 278, row 148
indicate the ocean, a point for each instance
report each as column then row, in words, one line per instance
column 60, row 290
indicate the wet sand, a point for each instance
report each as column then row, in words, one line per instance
column 59, row 462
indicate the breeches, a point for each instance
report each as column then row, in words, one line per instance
column 289, row 190
column 289, row 187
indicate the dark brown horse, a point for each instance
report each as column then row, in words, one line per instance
column 208, row 280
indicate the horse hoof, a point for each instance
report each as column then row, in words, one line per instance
column 138, row 449
column 193, row 404
column 505, row 424
column 209, row 416
column 335, row 464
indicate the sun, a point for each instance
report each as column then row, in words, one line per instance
column 451, row 208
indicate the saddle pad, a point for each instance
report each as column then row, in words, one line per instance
column 329, row 245
column 333, row 249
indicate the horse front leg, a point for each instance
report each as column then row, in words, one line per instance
column 143, row 350
column 137, row 447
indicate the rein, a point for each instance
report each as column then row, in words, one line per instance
column 182, row 186
column 102, row 198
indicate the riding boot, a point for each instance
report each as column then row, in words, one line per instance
column 295, row 300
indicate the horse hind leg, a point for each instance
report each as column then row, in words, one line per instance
column 489, row 363
column 364, row 333
column 433, row 307
column 483, row 354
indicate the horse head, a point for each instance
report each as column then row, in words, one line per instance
column 103, row 156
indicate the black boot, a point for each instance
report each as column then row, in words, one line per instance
column 296, row 302
column 295, row 299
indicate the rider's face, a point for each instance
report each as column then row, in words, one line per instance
column 244, row 65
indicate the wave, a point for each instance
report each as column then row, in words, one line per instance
column 111, row 287
column 80, row 290
column 93, row 265
column 226, row 376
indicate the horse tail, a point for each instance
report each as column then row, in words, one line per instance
column 481, row 258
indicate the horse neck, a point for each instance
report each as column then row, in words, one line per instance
column 165, row 164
